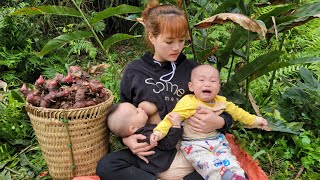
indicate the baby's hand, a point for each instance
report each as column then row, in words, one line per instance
column 175, row 119
column 261, row 123
column 154, row 139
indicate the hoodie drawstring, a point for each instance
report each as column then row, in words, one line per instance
column 173, row 65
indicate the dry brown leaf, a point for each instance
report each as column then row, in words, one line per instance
column 98, row 68
column 3, row 85
column 179, row 3
column 275, row 27
column 254, row 105
column 244, row 21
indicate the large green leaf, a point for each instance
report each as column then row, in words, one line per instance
column 200, row 12
column 278, row 125
column 56, row 10
column 237, row 39
column 24, row 161
column 62, row 40
column 275, row 66
column 308, row 78
column 303, row 15
column 5, row 175
column 259, row 63
column 202, row 55
column 5, row 135
column 269, row 23
column 308, row 9
column 121, row 9
column 117, row 38
column 276, row 12
column 224, row 6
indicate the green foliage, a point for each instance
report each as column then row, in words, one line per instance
column 19, row 157
column 309, row 152
column 281, row 155
column 297, row 106
column 292, row 106
column 15, row 126
column 57, row 10
column 278, row 125
column 112, row 11
column 17, row 33
column 257, row 65
column 117, row 38
column 26, row 163
column 57, row 64
column 293, row 101
column 18, row 39
column 301, row 101
column 80, row 46
column 63, row 39
column 297, row 42
column 240, row 40
column 111, row 77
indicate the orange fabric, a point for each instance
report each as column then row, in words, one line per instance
column 252, row 168
column 86, row 178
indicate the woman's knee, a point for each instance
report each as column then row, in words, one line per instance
column 116, row 164
column 105, row 166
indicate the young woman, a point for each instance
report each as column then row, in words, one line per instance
column 161, row 78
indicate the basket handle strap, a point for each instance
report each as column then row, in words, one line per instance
column 66, row 125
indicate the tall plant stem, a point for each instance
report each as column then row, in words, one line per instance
column 11, row 170
column 230, row 69
column 90, row 27
column 190, row 30
column 247, row 62
column 274, row 72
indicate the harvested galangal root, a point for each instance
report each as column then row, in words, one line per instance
column 76, row 90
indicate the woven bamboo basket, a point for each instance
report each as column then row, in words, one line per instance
column 72, row 141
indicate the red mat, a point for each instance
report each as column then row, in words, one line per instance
column 251, row 167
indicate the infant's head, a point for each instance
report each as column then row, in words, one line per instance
column 205, row 82
column 125, row 119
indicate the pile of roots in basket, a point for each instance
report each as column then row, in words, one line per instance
column 76, row 90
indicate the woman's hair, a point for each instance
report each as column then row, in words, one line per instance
column 165, row 18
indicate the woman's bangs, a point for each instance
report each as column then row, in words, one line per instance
column 176, row 26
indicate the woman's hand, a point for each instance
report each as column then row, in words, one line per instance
column 139, row 149
column 205, row 121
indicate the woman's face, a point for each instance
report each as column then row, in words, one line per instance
column 166, row 47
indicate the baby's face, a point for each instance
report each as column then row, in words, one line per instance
column 205, row 83
column 138, row 118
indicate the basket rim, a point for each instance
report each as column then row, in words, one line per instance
column 109, row 92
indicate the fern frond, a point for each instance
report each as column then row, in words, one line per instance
column 83, row 46
column 316, row 69
column 313, row 46
column 264, row 10
column 290, row 71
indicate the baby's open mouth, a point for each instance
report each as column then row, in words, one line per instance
column 206, row 91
